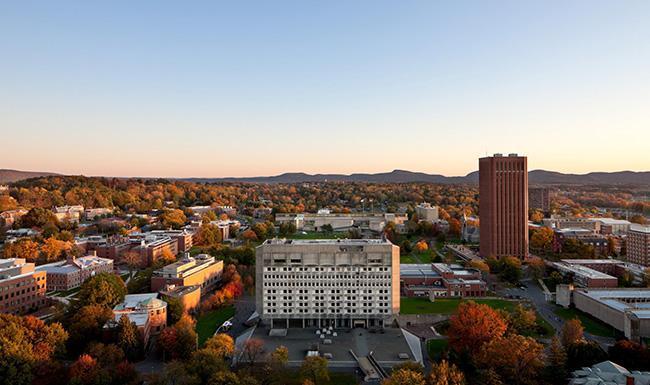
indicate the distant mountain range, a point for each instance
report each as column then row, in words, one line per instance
column 397, row 176
column 402, row 176
column 9, row 176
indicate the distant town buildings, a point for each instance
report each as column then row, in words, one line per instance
column 587, row 237
column 638, row 245
column 427, row 212
column 539, row 198
column 604, row 226
column 184, row 238
column 441, row 280
column 22, row 288
column 338, row 283
column 92, row 214
column 146, row 311
column 69, row 213
column 9, row 217
column 203, row 271
column 503, row 209
column 371, row 222
column 69, row 274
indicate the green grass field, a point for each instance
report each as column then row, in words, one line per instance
column 436, row 347
column 591, row 325
column 208, row 323
column 422, row 305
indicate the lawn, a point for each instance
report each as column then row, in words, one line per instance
column 591, row 325
column 408, row 258
column 422, row 305
column 428, row 256
column 208, row 323
column 436, row 347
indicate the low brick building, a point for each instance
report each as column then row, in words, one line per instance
column 22, row 288
column 202, row 270
column 441, row 280
column 146, row 311
column 69, row 274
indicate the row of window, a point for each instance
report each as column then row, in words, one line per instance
column 321, row 291
column 328, row 269
column 327, row 311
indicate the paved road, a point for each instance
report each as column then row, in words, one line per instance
column 535, row 295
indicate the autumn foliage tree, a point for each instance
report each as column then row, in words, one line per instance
column 445, row 373
column 515, row 358
column 474, row 325
column 84, row 370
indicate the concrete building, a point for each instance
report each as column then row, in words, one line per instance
column 184, row 238
column 539, row 198
column 69, row 213
column 66, row 275
column 441, row 280
column 470, row 230
column 339, row 283
column 146, row 311
column 189, row 296
column 555, row 222
column 608, row 373
column 503, row 208
column 626, row 310
column 152, row 247
column 426, row 212
column 203, row 270
column 22, row 288
column 93, row 213
column 638, row 245
column 587, row 237
column 611, row 226
column 584, row 276
column 9, row 217
column 371, row 222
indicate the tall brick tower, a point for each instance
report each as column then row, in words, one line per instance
column 503, row 205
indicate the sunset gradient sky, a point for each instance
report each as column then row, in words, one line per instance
column 243, row 88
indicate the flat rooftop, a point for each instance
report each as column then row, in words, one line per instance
column 417, row 269
column 640, row 229
column 283, row 241
column 584, row 271
column 636, row 301
column 385, row 347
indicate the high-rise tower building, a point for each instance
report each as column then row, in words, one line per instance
column 503, row 206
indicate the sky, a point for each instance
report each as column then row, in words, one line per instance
column 248, row 88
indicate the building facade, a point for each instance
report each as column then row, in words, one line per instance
column 539, row 198
column 22, row 288
column 339, row 283
column 503, row 209
column 426, row 212
column 202, row 270
column 441, row 280
column 73, row 272
column 372, row 222
column 638, row 245
column 146, row 311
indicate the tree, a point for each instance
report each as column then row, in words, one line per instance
column 53, row 249
column 167, row 256
column 167, row 343
column 186, row 337
column 572, row 332
column 173, row 218
column 556, row 370
column 26, row 344
column 523, row 320
column 280, row 357
column 209, row 235
column 204, row 363
column 103, row 289
column 515, row 358
column 128, row 338
column 7, row 202
column 405, row 377
column 222, row 344
column 38, row 217
column 22, row 248
column 584, row 353
column 249, row 235
column 133, row 260
column 86, row 325
column 315, row 369
column 421, row 246
column 537, row 266
column 510, row 270
column 541, row 239
column 474, row 325
column 629, row 354
column 445, row 373
column 287, row 228
column 84, row 370
column 252, row 350
column 479, row 265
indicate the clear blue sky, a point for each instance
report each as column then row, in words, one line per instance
column 240, row 88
